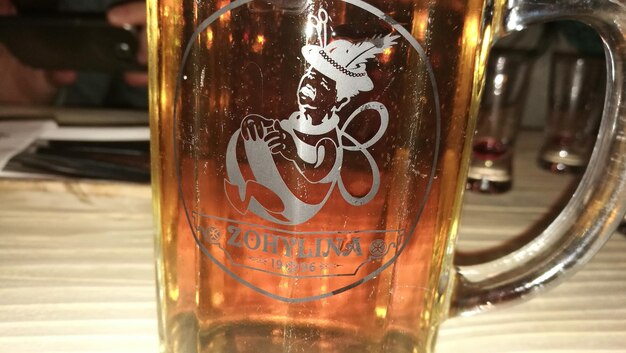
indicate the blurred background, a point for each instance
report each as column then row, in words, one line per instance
column 73, row 56
column 89, row 53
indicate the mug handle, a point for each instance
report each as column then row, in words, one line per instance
column 598, row 204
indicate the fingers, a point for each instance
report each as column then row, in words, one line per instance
column 273, row 138
column 25, row 85
column 245, row 133
column 131, row 13
column 61, row 78
column 254, row 127
column 275, row 141
column 7, row 8
column 134, row 14
column 259, row 130
column 268, row 122
column 277, row 149
column 136, row 79
column 252, row 132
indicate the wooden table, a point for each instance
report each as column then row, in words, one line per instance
column 77, row 275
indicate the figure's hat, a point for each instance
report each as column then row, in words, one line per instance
column 343, row 61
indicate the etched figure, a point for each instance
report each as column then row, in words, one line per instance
column 313, row 139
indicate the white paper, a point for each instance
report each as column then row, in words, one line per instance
column 99, row 134
column 17, row 135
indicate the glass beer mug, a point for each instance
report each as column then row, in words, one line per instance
column 309, row 162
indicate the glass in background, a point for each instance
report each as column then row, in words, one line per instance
column 506, row 85
column 576, row 98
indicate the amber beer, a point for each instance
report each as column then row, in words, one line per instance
column 308, row 167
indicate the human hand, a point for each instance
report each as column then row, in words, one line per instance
column 253, row 127
column 7, row 8
column 133, row 14
column 279, row 141
column 21, row 84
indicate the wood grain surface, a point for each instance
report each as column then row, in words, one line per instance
column 77, row 273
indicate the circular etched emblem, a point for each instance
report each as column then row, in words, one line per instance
column 377, row 248
column 314, row 193
column 214, row 234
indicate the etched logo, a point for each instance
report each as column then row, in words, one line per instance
column 301, row 211
column 313, row 136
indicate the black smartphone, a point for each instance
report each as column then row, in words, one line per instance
column 82, row 42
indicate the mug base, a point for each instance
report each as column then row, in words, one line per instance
column 486, row 186
column 250, row 336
